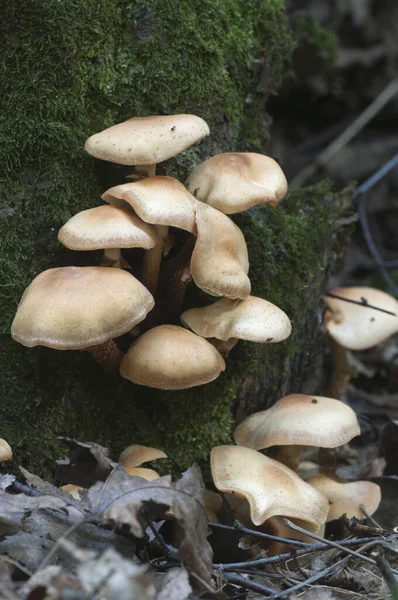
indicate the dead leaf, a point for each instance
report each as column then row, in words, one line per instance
column 87, row 463
column 50, row 583
column 174, row 585
column 194, row 548
column 13, row 507
column 6, row 481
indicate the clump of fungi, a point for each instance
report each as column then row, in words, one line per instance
column 88, row 307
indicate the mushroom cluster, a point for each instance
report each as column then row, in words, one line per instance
column 267, row 488
column 184, row 235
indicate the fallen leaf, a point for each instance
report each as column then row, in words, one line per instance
column 87, row 463
column 194, row 548
column 174, row 585
column 51, row 583
column 13, row 507
column 6, row 481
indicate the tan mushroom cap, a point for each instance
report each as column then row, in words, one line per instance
column 135, row 455
column 107, row 227
column 69, row 308
column 73, row 490
column 147, row 140
column 5, row 450
column 270, row 488
column 236, row 181
column 157, row 200
column 300, row 420
column 220, row 262
column 360, row 327
column 213, row 503
column 147, row 474
column 252, row 319
column 345, row 498
column 171, row 358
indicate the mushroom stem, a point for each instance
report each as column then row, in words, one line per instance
column 180, row 280
column 107, row 355
column 112, row 257
column 224, row 347
column 153, row 259
column 289, row 455
column 343, row 370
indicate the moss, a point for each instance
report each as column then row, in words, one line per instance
column 74, row 67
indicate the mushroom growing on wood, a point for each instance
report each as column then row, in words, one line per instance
column 356, row 318
column 252, row 319
column 297, row 421
column 109, row 228
column 270, row 487
column 135, row 455
column 160, row 201
column 347, row 498
column 76, row 308
column 236, row 181
column 220, row 262
column 171, row 358
column 146, row 141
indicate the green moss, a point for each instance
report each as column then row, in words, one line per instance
column 71, row 68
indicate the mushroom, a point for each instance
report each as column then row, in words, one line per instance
column 271, row 488
column 5, row 450
column 252, row 319
column 297, row 421
column 146, row 141
column 171, row 358
column 236, row 181
column 135, row 455
column 219, row 263
column 73, row 490
column 109, row 228
column 213, row 503
column 347, row 498
column 76, row 308
column 356, row 318
column 160, row 201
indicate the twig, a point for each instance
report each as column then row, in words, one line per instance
column 249, row 585
column 369, row 183
column 170, row 550
column 371, row 519
column 347, row 135
column 361, row 302
column 387, row 573
column 329, row 542
column 260, row 534
column 321, row 574
column 288, row 555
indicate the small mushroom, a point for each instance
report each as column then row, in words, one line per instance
column 171, row 358
column 73, row 490
column 109, row 228
column 5, row 450
column 252, row 319
column 220, row 262
column 354, row 323
column 347, row 498
column 76, row 308
column 160, row 201
column 271, row 488
column 136, row 455
column 236, row 181
column 297, row 421
column 146, row 141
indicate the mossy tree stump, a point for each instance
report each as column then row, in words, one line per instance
column 72, row 68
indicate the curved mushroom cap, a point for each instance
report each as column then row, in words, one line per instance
column 70, row 308
column 345, row 498
column 220, row 262
column 73, row 490
column 5, row 450
column 252, row 319
column 270, row 488
column 157, row 200
column 147, row 140
column 360, row 327
column 107, row 227
column 213, row 503
column 147, row 474
column 300, row 420
column 171, row 358
column 236, row 181
column 135, row 455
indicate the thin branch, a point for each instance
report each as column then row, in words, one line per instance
column 247, row 584
column 361, row 302
column 369, row 183
column 387, row 573
column 260, row 534
column 348, row 134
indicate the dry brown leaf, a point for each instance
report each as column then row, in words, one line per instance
column 174, row 585
column 87, row 463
